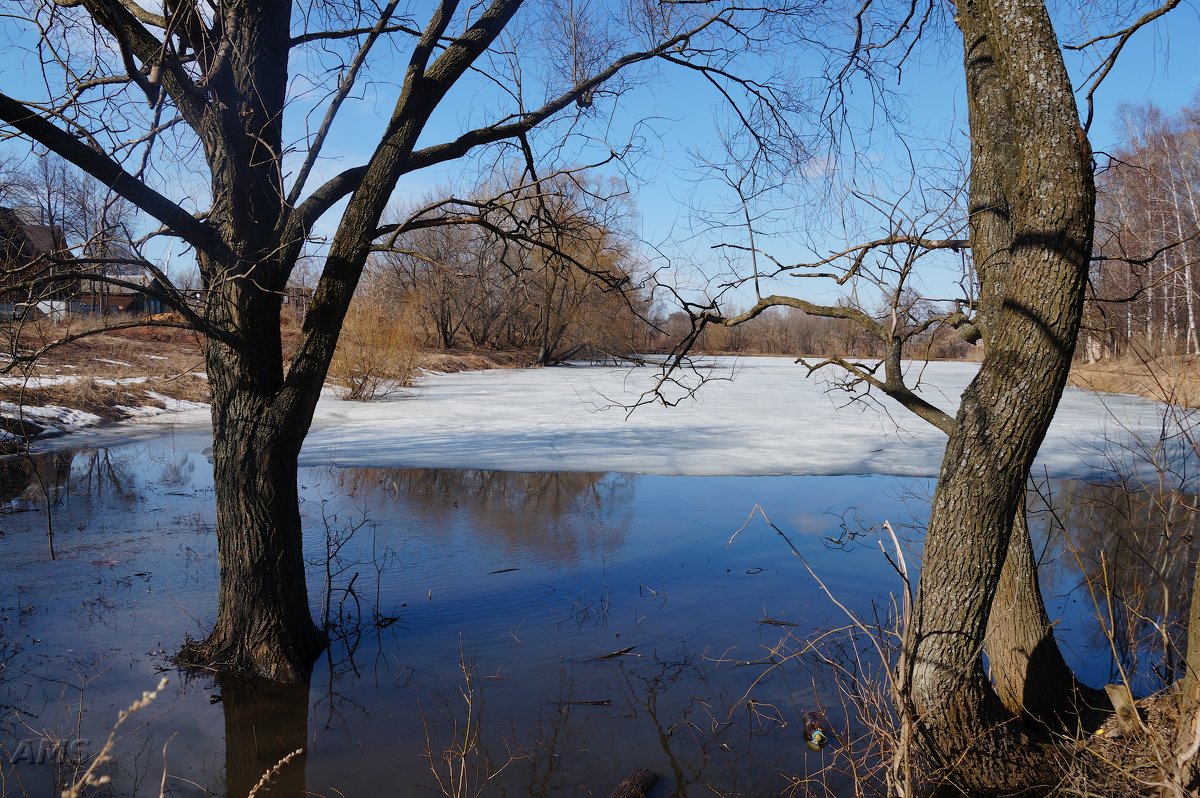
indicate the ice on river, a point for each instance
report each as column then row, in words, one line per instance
column 756, row 416
column 763, row 416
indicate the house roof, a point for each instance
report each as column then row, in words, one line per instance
column 21, row 240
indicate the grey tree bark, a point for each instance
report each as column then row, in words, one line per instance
column 1025, row 664
column 1031, row 205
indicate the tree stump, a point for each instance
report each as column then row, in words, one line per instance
column 1128, row 719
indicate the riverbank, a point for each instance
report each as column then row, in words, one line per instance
column 141, row 372
column 135, row 373
column 1171, row 380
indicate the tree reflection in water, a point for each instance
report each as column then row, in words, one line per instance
column 1126, row 555
column 265, row 724
column 563, row 515
column 22, row 479
column 106, row 477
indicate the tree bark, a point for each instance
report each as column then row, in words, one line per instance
column 1186, row 778
column 1025, row 664
column 1032, row 202
column 264, row 626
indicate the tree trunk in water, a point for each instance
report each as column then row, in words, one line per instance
column 1025, row 664
column 1032, row 201
column 264, row 627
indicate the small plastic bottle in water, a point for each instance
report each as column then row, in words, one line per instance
column 816, row 735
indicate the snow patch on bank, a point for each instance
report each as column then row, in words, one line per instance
column 40, row 382
column 56, row 420
column 173, row 405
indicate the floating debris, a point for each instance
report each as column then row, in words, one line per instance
column 604, row 702
column 624, row 652
column 815, row 735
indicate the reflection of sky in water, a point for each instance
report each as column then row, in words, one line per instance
column 533, row 577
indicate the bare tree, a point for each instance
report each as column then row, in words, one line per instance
column 1028, row 219
column 543, row 265
column 200, row 95
column 1144, row 278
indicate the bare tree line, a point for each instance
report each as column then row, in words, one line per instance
column 793, row 332
column 545, row 266
column 1146, row 276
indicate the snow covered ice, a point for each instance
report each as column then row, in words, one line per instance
column 767, row 419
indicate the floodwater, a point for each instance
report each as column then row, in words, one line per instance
column 493, row 633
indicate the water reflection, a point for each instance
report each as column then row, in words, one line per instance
column 1126, row 557
column 562, row 515
column 112, row 478
column 24, row 480
column 585, row 624
column 266, row 738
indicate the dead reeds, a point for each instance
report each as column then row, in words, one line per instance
column 376, row 353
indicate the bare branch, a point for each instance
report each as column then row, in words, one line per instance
column 109, row 172
column 343, row 90
column 350, row 33
column 1097, row 75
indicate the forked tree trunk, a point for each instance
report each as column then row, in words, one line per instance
column 264, row 627
column 1025, row 664
column 1032, row 201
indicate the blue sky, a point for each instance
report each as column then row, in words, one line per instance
column 678, row 114
column 675, row 114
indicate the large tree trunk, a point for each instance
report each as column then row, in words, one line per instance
column 1031, row 203
column 264, row 627
column 1185, row 781
column 1025, row 664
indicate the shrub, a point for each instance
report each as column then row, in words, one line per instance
column 376, row 354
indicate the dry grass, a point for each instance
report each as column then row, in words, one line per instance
column 115, row 353
column 1174, row 380
column 472, row 360
column 106, row 374
column 1109, row 763
column 102, row 374
column 99, row 397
